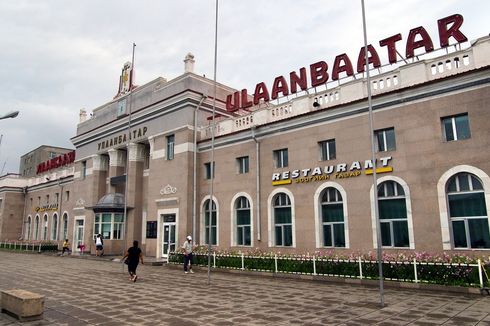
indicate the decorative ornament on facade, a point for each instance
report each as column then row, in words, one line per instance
column 126, row 80
column 80, row 203
column 168, row 190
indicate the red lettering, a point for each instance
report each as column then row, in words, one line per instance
column 246, row 103
column 425, row 41
column 261, row 92
column 445, row 33
column 40, row 168
column 373, row 58
column 231, row 107
column 390, row 44
column 280, row 86
column 338, row 67
column 319, row 74
column 295, row 80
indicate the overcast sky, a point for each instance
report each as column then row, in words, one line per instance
column 60, row 56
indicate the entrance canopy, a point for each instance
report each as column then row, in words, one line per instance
column 113, row 202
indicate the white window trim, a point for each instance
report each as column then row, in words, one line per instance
column 45, row 227
column 441, row 195
column 317, row 209
column 203, row 227
column 37, row 219
column 233, row 235
column 270, row 214
column 67, row 224
column 56, row 231
column 408, row 202
column 28, row 228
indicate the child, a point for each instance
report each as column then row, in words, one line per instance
column 66, row 247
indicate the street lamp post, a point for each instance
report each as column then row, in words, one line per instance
column 12, row 114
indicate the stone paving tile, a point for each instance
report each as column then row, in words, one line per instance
column 97, row 292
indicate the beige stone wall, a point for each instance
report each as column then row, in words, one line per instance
column 420, row 159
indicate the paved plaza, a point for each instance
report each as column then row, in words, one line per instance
column 90, row 291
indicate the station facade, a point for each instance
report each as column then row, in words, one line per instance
column 291, row 174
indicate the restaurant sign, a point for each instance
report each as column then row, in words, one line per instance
column 329, row 172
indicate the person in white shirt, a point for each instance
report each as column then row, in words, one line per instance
column 99, row 245
column 187, row 246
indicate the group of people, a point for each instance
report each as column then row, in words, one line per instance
column 134, row 255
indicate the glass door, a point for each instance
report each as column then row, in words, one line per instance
column 79, row 230
column 168, row 244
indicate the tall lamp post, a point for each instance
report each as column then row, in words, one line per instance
column 12, row 114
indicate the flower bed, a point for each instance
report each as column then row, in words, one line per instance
column 454, row 270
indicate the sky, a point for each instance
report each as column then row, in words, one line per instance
column 59, row 56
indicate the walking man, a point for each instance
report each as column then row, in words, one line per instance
column 187, row 246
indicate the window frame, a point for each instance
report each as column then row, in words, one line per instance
column 243, row 164
column 284, row 203
column 328, row 149
column 170, row 146
column 338, row 200
column 390, row 222
column 54, row 226
column 242, row 204
column 116, row 228
column 456, row 132
column 213, row 226
column 209, row 170
column 281, row 158
column 467, row 219
column 385, row 137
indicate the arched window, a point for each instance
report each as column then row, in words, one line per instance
column 243, row 222
column 35, row 236
column 332, row 218
column 27, row 234
column 64, row 231
column 467, row 211
column 210, row 216
column 283, row 224
column 54, row 227
column 393, row 215
column 45, row 227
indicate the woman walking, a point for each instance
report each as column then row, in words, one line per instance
column 133, row 256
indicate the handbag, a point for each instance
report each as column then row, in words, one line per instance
column 126, row 261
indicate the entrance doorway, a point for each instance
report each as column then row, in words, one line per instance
column 79, row 233
column 168, row 231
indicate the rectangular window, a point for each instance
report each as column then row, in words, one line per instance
column 208, row 170
column 146, row 163
column 327, row 150
column 110, row 225
column 385, row 140
column 170, row 147
column 83, row 171
column 243, row 164
column 281, row 158
column 151, row 229
column 456, row 127
column 213, row 227
column 57, row 198
column 47, row 199
column 67, row 195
